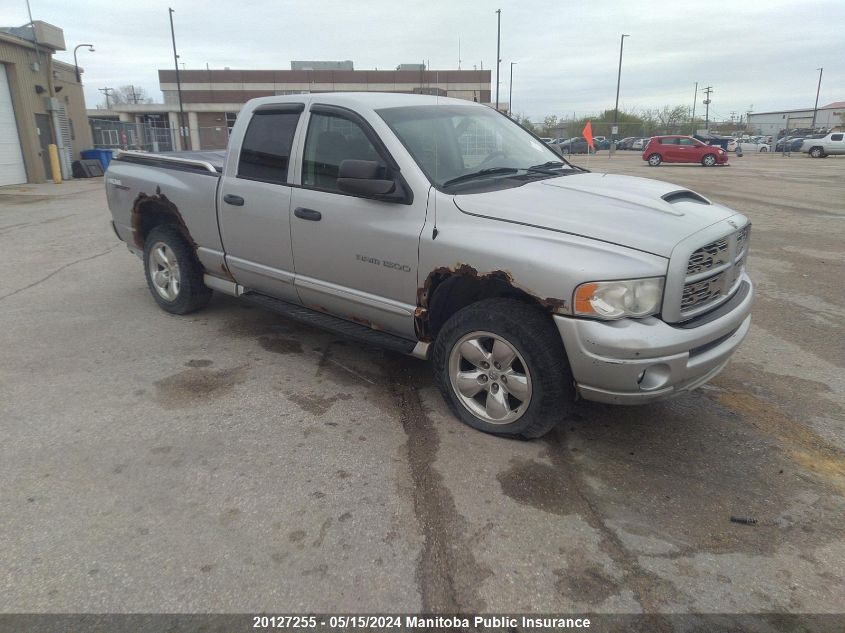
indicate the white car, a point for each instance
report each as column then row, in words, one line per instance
column 833, row 143
column 750, row 146
column 640, row 143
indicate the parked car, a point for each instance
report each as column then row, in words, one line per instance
column 534, row 283
column 792, row 144
column 751, row 146
column 831, row 144
column 601, row 143
column 626, row 143
column 639, row 143
column 574, row 145
column 682, row 149
column 546, row 139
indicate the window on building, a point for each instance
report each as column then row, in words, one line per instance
column 266, row 148
column 330, row 141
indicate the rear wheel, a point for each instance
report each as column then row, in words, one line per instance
column 709, row 160
column 817, row 152
column 764, row 149
column 502, row 368
column 174, row 274
column 654, row 160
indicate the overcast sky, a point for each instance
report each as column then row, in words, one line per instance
column 757, row 54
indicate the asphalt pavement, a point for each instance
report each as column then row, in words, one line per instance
column 233, row 461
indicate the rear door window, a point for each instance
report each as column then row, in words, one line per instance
column 265, row 153
column 836, row 137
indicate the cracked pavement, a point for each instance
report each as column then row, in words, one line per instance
column 233, row 461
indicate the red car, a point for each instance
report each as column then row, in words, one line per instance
column 682, row 149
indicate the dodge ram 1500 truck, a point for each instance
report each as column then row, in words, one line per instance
column 440, row 228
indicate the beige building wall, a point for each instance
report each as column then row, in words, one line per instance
column 27, row 70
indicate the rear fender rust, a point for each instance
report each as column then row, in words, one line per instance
column 422, row 324
column 159, row 203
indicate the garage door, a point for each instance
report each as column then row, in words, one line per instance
column 12, row 170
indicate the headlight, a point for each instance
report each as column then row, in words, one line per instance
column 619, row 299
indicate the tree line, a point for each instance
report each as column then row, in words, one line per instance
column 646, row 122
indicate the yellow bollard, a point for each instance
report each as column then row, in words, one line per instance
column 54, row 163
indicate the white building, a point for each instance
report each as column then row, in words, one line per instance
column 771, row 123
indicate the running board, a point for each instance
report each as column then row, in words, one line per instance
column 337, row 325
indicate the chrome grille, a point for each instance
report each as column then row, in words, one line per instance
column 702, row 291
column 724, row 259
column 709, row 256
column 742, row 238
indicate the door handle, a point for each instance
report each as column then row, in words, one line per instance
column 307, row 214
column 236, row 201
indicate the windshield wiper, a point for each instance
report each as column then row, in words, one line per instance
column 546, row 168
column 481, row 172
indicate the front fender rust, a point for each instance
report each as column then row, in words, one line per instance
column 502, row 279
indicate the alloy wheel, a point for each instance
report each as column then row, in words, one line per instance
column 490, row 377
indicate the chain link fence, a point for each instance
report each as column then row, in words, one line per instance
column 148, row 136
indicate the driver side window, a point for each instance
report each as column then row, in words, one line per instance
column 330, row 141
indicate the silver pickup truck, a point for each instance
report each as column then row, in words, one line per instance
column 442, row 229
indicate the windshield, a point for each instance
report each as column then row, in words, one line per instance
column 451, row 142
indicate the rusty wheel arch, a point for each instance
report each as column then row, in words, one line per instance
column 151, row 211
column 447, row 290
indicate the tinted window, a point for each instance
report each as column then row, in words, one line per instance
column 330, row 141
column 836, row 137
column 266, row 148
column 668, row 141
column 686, row 141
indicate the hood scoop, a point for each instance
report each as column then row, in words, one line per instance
column 684, row 195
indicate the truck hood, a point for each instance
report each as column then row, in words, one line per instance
column 639, row 213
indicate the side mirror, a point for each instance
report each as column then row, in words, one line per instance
column 363, row 178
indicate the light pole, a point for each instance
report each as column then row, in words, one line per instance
column 616, row 107
column 184, row 138
column 498, row 51
column 816, row 107
column 694, row 99
column 510, row 93
column 75, row 63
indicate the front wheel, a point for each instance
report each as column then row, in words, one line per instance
column 654, row 160
column 174, row 275
column 502, row 369
column 764, row 149
column 709, row 160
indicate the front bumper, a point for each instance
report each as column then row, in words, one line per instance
column 634, row 361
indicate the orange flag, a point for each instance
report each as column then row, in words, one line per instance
column 588, row 134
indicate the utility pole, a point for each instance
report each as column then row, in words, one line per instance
column 106, row 92
column 707, row 92
column 614, row 129
column 498, row 51
column 186, row 138
column 816, row 107
column 134, row 95
column 510, row 93
column 694, row 99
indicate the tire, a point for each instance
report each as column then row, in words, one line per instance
column 173, row 272
column 764, row 149
column 538, row 364
column 817, row 152
column 654, row 160
column 708, row 160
